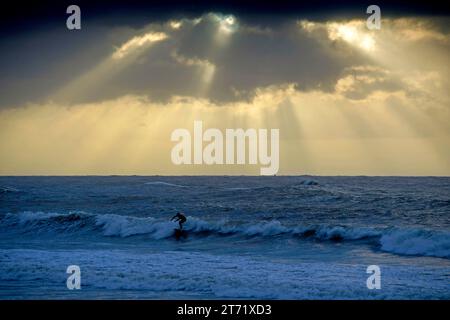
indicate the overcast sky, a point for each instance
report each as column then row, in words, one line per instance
column 104, row 99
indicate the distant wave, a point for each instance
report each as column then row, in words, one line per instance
column 418, row 242
column 167, row 184
column 4, row 189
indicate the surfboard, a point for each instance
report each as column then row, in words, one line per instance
column 180, row 234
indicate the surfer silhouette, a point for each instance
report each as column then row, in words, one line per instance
column 180, row 218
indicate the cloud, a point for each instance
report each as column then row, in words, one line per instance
column 359, row 82
column 321, row 133
column 224, row 59
column 244, row 57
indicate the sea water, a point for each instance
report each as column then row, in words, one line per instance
column 248, row 237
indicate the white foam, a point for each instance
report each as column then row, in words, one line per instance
column 169, row 274
column 417, row 242
column 125, row 226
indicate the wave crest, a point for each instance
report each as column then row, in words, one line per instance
column 394, row 240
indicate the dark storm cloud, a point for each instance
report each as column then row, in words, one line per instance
column 251, row 57
column 38, row 56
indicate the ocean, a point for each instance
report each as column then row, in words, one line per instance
column 287, row 237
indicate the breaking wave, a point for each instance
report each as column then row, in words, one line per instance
column 417, row 242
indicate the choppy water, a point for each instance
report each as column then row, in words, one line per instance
column 248, row 237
